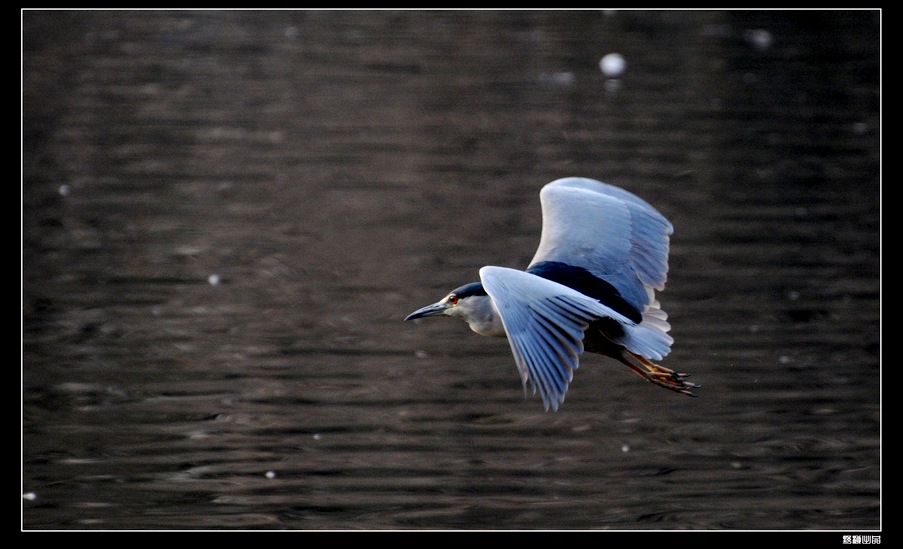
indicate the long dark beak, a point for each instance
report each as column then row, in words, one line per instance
column 429, row 310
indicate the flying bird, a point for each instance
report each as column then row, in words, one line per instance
column 591, row 286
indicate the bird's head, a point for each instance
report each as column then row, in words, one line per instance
column 471, row 304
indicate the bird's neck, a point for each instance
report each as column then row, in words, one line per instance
column 481, row 315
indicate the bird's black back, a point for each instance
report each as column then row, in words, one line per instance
column 586, row 283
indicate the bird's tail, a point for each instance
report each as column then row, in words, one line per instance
column 650, row 337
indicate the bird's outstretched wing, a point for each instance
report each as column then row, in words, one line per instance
column 544, row 322
column 612, row 233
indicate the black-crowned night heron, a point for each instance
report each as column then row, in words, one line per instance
column 591, row 285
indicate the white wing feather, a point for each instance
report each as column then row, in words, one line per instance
column 544, row 322
column 612, row 233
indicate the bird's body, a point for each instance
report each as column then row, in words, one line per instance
column 590, row 286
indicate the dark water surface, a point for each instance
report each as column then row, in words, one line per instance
column 227, row 215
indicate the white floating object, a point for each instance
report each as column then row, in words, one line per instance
column 213, row 279
column 613, row 64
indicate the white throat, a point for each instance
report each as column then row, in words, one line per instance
column 480, row 313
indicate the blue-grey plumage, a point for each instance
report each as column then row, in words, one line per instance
column 591, row 286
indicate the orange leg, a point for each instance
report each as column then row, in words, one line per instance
column 661, row 376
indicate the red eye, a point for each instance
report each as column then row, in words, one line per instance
column 453, row 299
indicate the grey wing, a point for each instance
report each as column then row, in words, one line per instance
column 611, row 232
column 544, row 322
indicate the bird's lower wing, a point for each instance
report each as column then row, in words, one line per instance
column 545, row 322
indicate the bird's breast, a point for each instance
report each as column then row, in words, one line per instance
column 494, row 328
column 483, row 317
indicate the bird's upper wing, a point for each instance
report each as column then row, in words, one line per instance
column 544, row 322
column 611, row 232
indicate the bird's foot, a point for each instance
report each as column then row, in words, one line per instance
column 674, row 381
column 659, row 375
